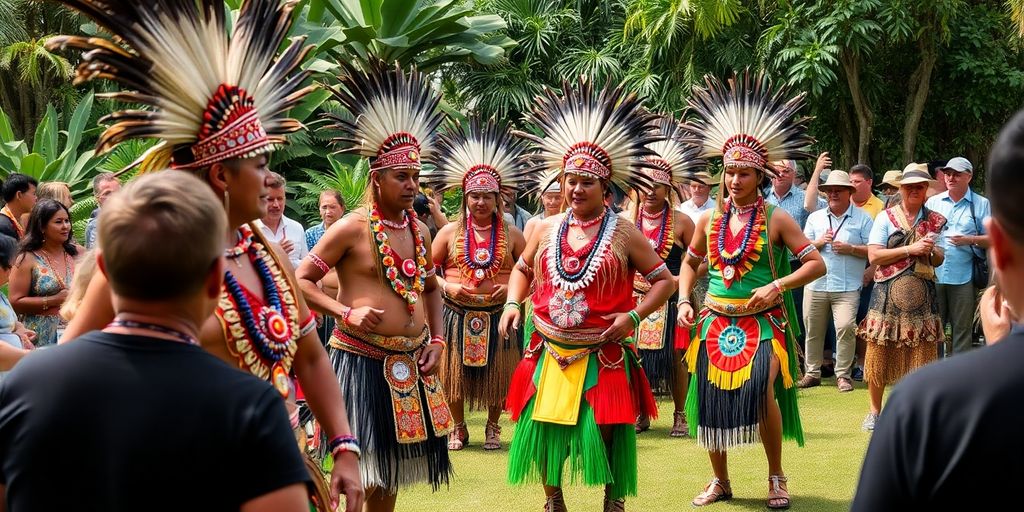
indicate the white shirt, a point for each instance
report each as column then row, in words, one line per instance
column 845, row 272
column 693, row 211
column 288, row 229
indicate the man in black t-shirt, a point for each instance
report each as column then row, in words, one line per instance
column 949, row 438
column 138, row 416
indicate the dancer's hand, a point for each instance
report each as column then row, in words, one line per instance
column 365, row 317
column 429, row 358
column 685, row 316
column 345, row 479
column 763, row 296
column 621, row 326
column 500, row 292
column 509, row 322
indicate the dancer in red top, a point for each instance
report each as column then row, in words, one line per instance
column 660, row 345
column 579, row 388
column 474, row 257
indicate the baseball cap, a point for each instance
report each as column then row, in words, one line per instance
column 958, row 164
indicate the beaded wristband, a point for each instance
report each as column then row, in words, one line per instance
column 336, row 440
column 513, row 304
column 778, row 286
column 345, row 315
column 437, row 339
column 347, row 447
column 635, row 317
column 319, row 263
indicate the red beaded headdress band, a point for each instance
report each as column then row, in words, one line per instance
column 747, row 123
column 479, row 157
column 213, row 96
column 675, row 158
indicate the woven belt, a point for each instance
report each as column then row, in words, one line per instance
column 575, row 337
column 461, row 308
column 376, row 346
column 737, row 307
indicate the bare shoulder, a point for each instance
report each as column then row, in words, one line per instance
column 446, row 231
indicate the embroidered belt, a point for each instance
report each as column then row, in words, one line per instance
column 461, row 308
column 476, row 331
column 375, row 344
column 737, row 307
column 474, row 300
column 402, row 373
column 574, row 337
column 564, row 362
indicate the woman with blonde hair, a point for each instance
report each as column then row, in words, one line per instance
column 56, row 190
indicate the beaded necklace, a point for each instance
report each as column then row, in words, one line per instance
column 576, row 269
column 477, row 263
column 663, row 241
column 735, row 260
column 411, row 269
column 269, row 329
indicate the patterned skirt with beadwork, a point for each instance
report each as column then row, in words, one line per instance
column 902, row 328
column 401, row 426
column 657, row 341
column 478, row 364
column 730, row 363
column 560, row 397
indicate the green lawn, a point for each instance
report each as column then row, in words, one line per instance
column 822, row 475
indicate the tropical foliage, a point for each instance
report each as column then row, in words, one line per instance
column 888, row 81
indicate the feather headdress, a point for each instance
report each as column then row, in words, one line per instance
column 484, row 158
column 603, row 134
column 395, row 115
column 747, row 124
column 214, row 97
column 675, row 159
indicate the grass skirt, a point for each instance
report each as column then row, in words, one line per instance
column 483, row 386
column 660, row 364
column 725, row 408
column 385, row 463
column 612, row 397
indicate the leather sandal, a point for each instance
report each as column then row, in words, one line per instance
column 716, row 490
column 555, row 502
column 778, row 496
column 613, row 505
column 454, row 443
column 458, row 438
column 492, row 440
column 643, row 424
column 679, row 426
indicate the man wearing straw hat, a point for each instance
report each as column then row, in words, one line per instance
column 840, row 232
column 700, row 199
column 890, row 187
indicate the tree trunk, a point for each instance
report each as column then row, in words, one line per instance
column 849, row 145
column 917, row 94
column 865, row 117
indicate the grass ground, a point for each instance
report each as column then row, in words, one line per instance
column 822, row 475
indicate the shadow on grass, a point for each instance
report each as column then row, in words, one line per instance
column 810, row 503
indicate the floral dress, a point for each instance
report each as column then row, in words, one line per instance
column 47, row 282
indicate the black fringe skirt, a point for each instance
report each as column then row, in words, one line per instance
column 385, row 463
column 660, row 364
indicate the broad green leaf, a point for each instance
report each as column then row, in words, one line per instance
column 33, row 165
column 309, row 104
column 77, row 124
column 6, row 132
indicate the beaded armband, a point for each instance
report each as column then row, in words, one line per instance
column 809, row 248
column 320, row 264
column 657, row 270
column 693, row 253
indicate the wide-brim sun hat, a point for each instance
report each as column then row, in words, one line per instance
column 837, row 179
column 892, row 178
column 915, row 173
